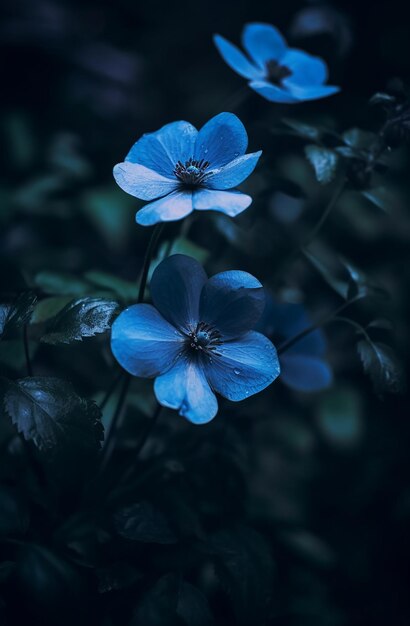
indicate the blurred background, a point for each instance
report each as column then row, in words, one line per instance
column 291, row 508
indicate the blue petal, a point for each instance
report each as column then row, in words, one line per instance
column 161, row 150
column 306, row 69
column 234, row 173
column 229, row 202
column 305, row 373
column 272, row 92
column 311, row 93
column 173, row 207
column 236, row 59
column 232, row 301
column 185, row 387
column 245, row 367
column 143, row 342
column 263, row 42
column 141, row 182
column 221, row 140
column 175, row 287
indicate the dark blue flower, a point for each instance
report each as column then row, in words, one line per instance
column 303, row 366
column 197, row 338
column 183, row 169
column 276, row 72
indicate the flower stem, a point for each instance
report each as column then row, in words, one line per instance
column 147, row 260
column 329, row 207
column 27, row 351
column 286, row 345
column 115, row 423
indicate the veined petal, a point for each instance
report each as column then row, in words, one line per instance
column 143, row 342
column 234, row 173
column 305, row 373
column 141, row 182
column 236, row 59
column 221, row 140
column 229, row 202
column 175, row 287
column 232, row 301
column 245, row 367
column 306, row 69
column 263, row 42
column 272, row 92
column 311, row 93
column 161, row 150
column 173, row 207
column 185, row 387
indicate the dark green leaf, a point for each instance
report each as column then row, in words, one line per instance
column 48, row 412
column 324, row 161
column 141, row 522
column 329, row 275
column 381, row 197
column 307, row 131
column 17, row 312
column 81, row 318
column 340, row 417
column 382, row 365
column 382, row 98
column 48, row 308
column 61, row 284
column 358, row 138
column 123, row 289
column 12, row 353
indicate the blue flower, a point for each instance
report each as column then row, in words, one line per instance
column 303, row 366
column 276, row 72
column 197, row 338
column 183, row 169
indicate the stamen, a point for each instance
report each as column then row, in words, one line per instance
column 192, row 173
column 205, row 338
column 275, row 72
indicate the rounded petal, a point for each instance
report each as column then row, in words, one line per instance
column 161, row 150
column 229, row 202
column 232, row 301
column 305, row 373
column 141, row 182
column 263, row 42
column 272, row 92
column 143, row 342
column 306, row 69
column 176, row 286
column 245, row 367
column 234, row 173
column 311, row 93
column 185, row 387
column 221, row 140
column 236, row 59
column 173, row 207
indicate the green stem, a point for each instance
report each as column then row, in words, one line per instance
column 115, row 423
column 147, row 260
column 332, row 202
column 27, row 351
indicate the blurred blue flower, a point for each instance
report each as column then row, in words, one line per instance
column 197, row 338
column 188, row 170
column 303, row 365
column 276, row 72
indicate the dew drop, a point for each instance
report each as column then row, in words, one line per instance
column 237, row 372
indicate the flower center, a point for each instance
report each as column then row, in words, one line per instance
column 204, row 338
column 275, row 72
column 192, row 173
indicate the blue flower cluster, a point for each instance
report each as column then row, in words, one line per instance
column 185, row 170
column 276, row 72
column 197, row 339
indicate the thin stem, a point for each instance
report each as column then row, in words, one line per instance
column 332, row 202
column 115, row 424
column 359, row 328
column 27, row 351
column 147, row 260
column 110, row 390
column 310, row 329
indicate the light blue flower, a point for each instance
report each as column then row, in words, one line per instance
column 197, row 339
column 303, row 365
column 276, row 72
column 183, row 169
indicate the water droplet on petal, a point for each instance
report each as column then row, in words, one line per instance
column 237, row 372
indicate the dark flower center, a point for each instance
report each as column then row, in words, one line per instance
column 275, row 72
column 204, row 338
column 192, row 173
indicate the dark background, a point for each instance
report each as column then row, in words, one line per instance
column 324, row 479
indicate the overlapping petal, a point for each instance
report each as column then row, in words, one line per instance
column 143, row 342
column 306, row 69
column 234, row 173
column 305, row 373
column 311, row 93
column 263, row 42
column 141, row 182
column 175, row 287
column 232, row 301
column 272, row 92
column 246, row 366
column 186, row 388
column 172, row 207
column 229, row 202
column 221, row 140
column 236, row 59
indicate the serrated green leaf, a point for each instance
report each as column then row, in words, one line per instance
column 81, row 318
column 48, row 308
column 324, row 162
column 382, row 365
column 16, row 312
